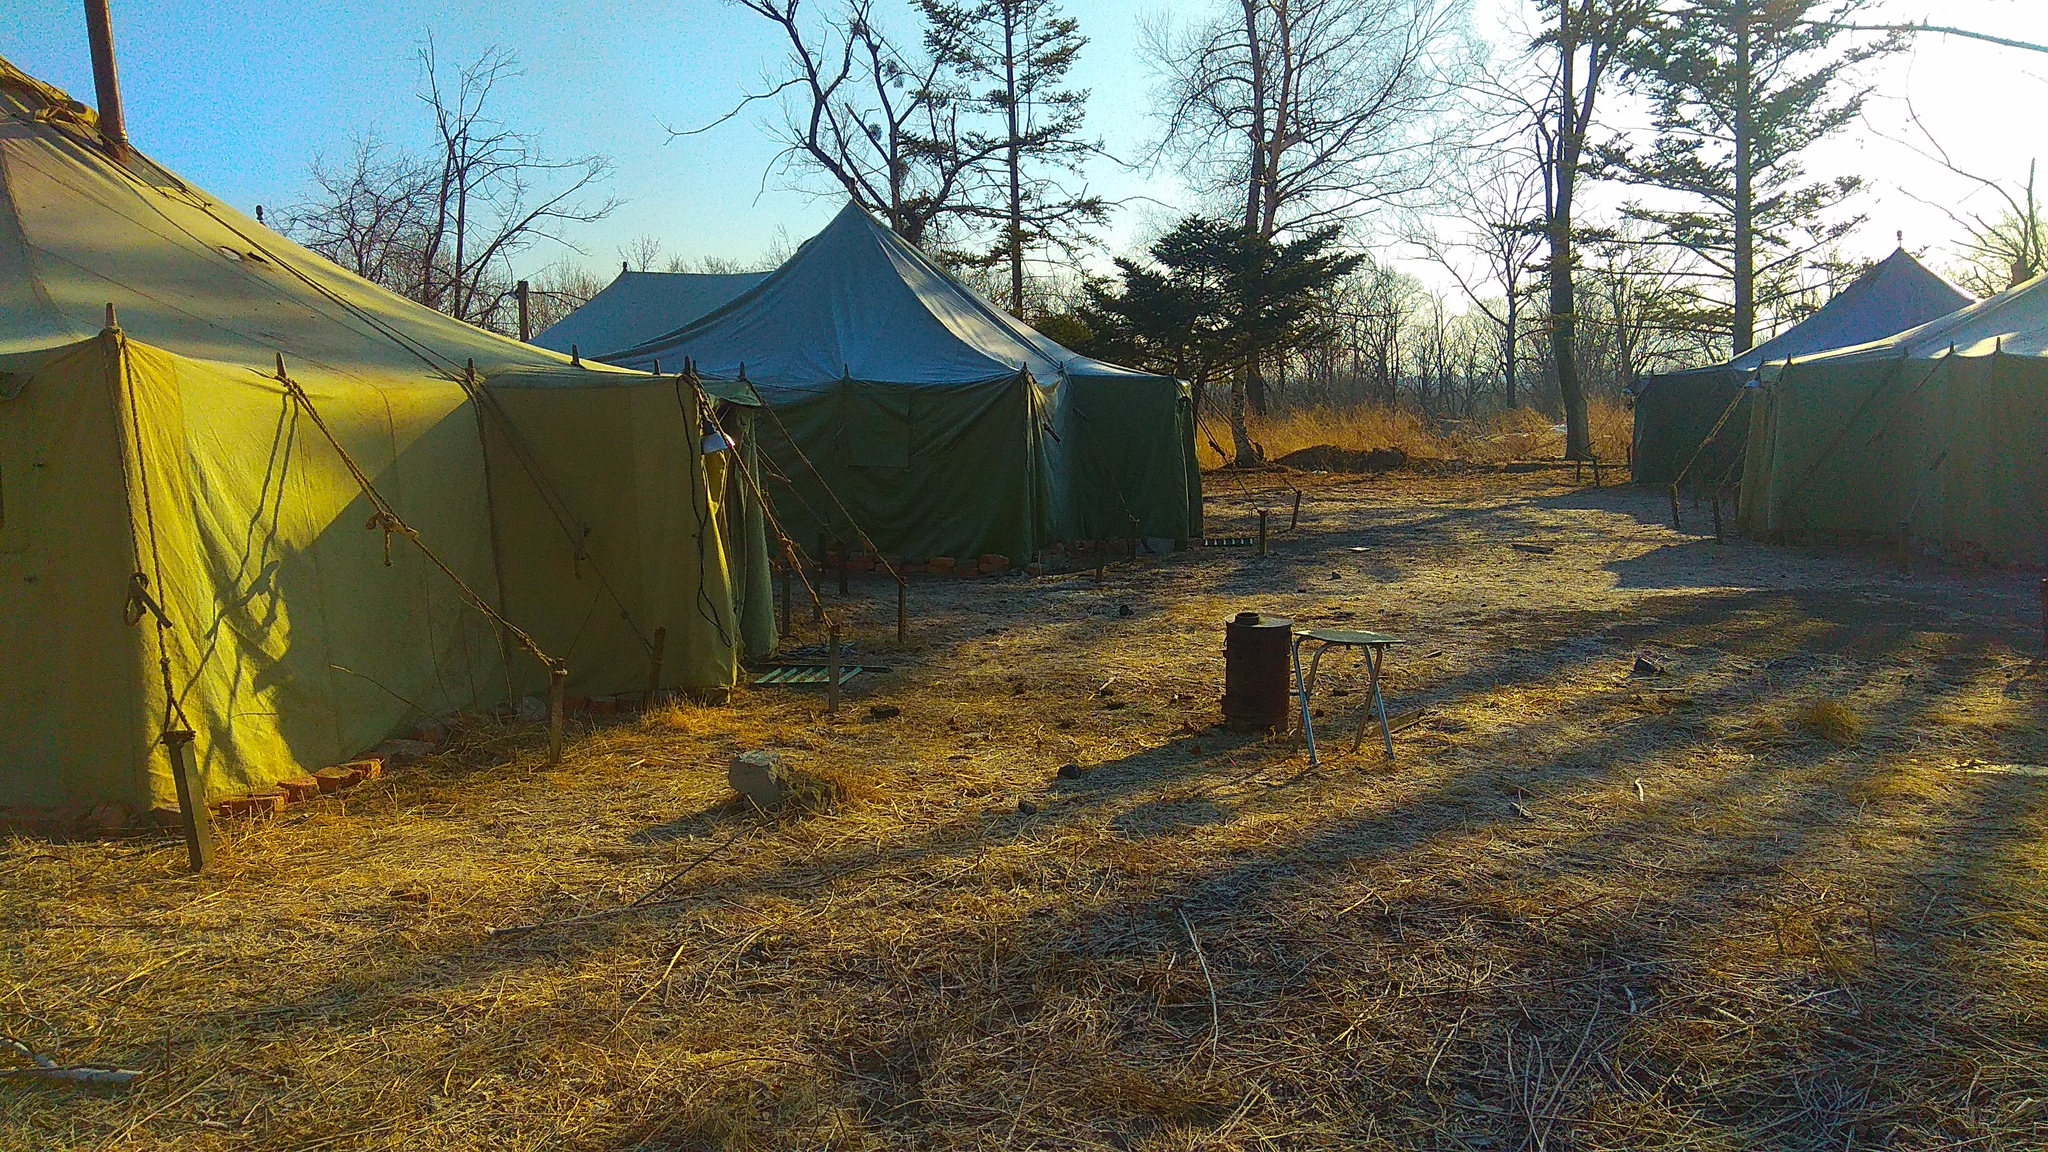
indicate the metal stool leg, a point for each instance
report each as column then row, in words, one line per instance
column 1379, row 704
column 1305, row 686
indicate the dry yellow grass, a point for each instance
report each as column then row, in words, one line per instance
column 1582, row 910
column 1503, row 437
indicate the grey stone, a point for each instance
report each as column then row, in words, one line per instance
column 757, row 776
column 532, row 710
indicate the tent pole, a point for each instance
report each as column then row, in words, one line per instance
column 654, row 671
column 832, row 672
column 558, row 676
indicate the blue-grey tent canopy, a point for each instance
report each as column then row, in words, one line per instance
column 1676, row 412
column 639, row 306
column 943, row 425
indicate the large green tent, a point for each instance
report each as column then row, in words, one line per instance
column 183, row 533
column 1932, row 439
column 940, row 424
column 1676, row 412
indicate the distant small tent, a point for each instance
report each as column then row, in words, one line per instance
column 1932, row 439
column 1676, row 412
column 182, row 542
column 943, row 425
column 640, row 306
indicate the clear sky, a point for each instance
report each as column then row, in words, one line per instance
column 239, row 96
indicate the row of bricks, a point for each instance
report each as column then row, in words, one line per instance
column 297, row 790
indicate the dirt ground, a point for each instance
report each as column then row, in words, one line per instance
column 1786, row 888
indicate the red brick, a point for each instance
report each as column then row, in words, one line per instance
column 338, row 778
column 992, row 564
column 254, row 804
column 368, row 768
column 603, row 705
column 299, row 789
column 940, row 565
column 632, row 701
column 1034, row 569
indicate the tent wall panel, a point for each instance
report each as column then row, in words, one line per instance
column 73, row 731
column 974, row 480
column 1944, row 451
column 1126, row 479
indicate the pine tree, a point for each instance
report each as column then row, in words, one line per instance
column 1010, row 58
column 1740, row 89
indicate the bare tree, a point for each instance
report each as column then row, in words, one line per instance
column 1310, row 111
column 367, row 215
column 445, row 229
column 2003, row 248
column 1498, row 199
column 874, row 119
column 641, row 252
column 496, row 194
column 1578, row 53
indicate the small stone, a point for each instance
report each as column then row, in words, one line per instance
column 1113, row 705
column 1196, row 749
column 1069, row 772
column 1125, row 610
column 532, row 710
column 1026, row 808
column 431, row 732
column 401, row 751
column 1646, row 667
column 883, row 711
column 757, row 776
column 113, row 816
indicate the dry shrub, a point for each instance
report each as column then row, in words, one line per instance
column 1832, row 719
column 1902, row 783
column 1499, row 438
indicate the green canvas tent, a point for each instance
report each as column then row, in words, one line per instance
column 1931, row 438
column 183, row 543
column 942, row 425
column 1676, row 412
column 641, row 305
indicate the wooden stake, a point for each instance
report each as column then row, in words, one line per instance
column 1262, row 531
column 788, row 622
column 191, row 799
column 832, row 672
column 654, row 671
column 558, row 678
column 1718, row 539
column 1294, row 518
column 1674, row 508
column 525, row 318
column 902, row 610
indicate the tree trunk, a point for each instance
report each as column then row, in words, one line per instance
column 1745, row 197
column 1564, row 327
column 1016, row 163
column 1240, row 433
column 1508, row 351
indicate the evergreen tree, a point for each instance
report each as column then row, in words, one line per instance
column 1010, row 58
column 1214, row 297
column 1740, row 89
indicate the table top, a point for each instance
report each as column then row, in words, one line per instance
column 1360, row 639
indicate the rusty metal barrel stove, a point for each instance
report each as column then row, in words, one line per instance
column 1257, row 678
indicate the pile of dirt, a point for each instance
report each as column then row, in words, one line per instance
column 1330, row 458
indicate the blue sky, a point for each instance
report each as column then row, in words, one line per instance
column 239, row 96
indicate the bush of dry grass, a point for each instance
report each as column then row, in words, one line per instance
column 1499, row 438
column 1832, row 719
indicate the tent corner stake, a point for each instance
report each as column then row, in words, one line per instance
column 192, row 812
column 558, row 677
